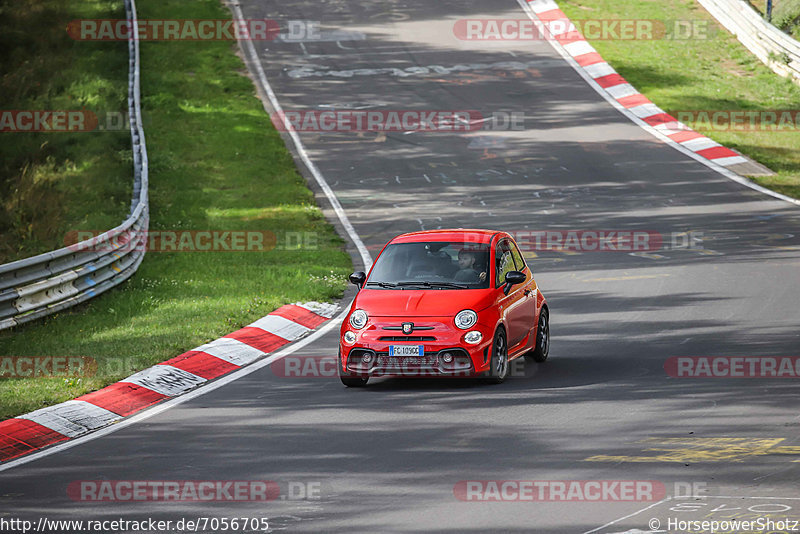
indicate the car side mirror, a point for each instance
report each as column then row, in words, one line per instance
column 358, row 278
column 513, row 278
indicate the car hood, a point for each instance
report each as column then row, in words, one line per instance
column 422, row 303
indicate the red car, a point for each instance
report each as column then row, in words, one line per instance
column 444, row 303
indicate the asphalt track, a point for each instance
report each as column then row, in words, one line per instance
column 387, row 458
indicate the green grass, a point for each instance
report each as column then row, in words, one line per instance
column 44, row 69
column 216, row 163
column 715, row 73
column 785, row 14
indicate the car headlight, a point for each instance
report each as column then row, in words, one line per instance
column 466, row 319
column 358, row 319
column 473, row 338
column 349, row 337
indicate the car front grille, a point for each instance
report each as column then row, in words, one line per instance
column 429, row 362
column 406, row 338
column 406, row 361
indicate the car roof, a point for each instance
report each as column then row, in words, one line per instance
column 454, row 234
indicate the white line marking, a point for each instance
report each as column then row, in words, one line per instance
column 622, row 90
column 281, row 327
column 307, row 72
column 541, row 6
column 361, row 52
column 557, row 30
column 645, row 110
column 738, row 497
column 598, row 70
column 667, row 130
column 165, row 379
column 629, row 515
column 326, row 37
column 366, row 259
column 732, row 160
column 72, row 418
column 579, row 48
column 232, row 351
column 166, row 405
column 531, row 12
column 325, row 309
column 700, row 143
column 690, row 497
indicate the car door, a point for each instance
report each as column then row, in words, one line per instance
column 512, row 306
column 528, row 307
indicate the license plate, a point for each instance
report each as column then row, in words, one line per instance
column 407, row 350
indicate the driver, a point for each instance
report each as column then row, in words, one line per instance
column 467, row 271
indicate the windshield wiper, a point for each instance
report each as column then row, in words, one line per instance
column 432, row 284
column 448, row 284
column 381, row 284
column 408, row 284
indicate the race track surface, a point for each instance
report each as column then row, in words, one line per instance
column 387, row 458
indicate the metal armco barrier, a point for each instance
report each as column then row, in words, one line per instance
column 34, row 287
column 774, row 48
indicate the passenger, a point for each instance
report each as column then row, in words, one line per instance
column 468, row 271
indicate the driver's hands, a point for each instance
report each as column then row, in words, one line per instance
column 482, row 276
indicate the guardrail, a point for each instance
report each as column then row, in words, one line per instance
column 777, row 50
column 38, row 286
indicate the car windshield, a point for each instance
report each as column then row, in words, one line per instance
column 432, row 265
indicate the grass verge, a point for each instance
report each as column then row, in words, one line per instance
column 51, row 182
column 216, row 164
column 707, row 72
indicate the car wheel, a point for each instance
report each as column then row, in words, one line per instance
column 542, row 349
column 498, row 366
column 352, row 381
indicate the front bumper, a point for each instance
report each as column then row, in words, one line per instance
column 367, row 362
column 369, row 355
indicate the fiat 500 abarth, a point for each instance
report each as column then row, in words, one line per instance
column 444, row 303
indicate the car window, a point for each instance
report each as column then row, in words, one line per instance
column 504, row 261
column 433, row 264
column 518, row 260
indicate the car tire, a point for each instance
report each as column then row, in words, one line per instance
column 498, row 364
column 542, row 349
column 352, row 381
